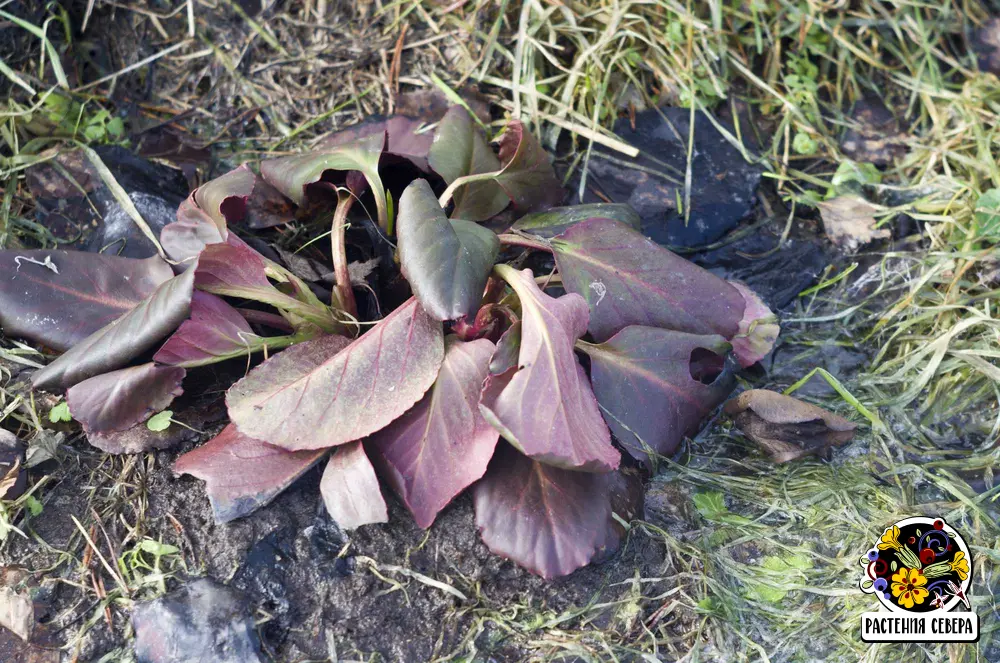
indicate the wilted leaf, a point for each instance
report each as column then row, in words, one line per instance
column 126, row 338
column 507, row 351
column 548, row 410
column 629, row 280
column 203, row 218
column 445, row 261
column 59, row 298
column 643, row 380
column 291, row 175
column 214, row 331
column 242, row 474
column 139, row 438
column 549, row 520
column 443, row 444
column 558, row 220
column 17, row 612
column 350, row 488
column 312, row 396
column 120, row 399
column 406, row 138
column 785, row 427
column 460, row 149
column 849, row 222
column 527, row 176
column 13, row 478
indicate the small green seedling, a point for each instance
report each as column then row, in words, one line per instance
column 60, row 413
column 160, row 421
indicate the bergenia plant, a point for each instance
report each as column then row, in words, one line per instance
column 522, row 386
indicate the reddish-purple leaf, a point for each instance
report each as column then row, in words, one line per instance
column 406, row 138
column 302, row 400
column 460, row 149
column 59, row 298
column 443, row 444
column 628, row 279
column 548, row 410
column 549, row 520
column 118, row 400
column 214, row 331
column 131, row 335
column 642, row 379
column 350, row 488
column 291, row 175
column 242, row 474
column 527, row 176
column 202, row 219
column 758, row 328
column 558, row 220
column 445, row 261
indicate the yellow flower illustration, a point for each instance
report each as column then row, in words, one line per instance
column 890, row 539
column 960, row 565
column 908, row 587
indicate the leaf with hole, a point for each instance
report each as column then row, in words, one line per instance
column 548, row 410
column 318, row 395
column 647, row 383
column 442, row 444
column 445, row 261
column 242, row 474
column 59, row 298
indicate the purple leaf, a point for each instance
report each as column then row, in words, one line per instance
column 350, row 488
column 628, row 279
column 305, row 399
column 405, row 138
column 460, row 149
column 549, row 520
column 527, row 176
column 202, row 219
column 445, row 261
column 291, row 175
column 548, row 410
column 131, row 335
column 118, row 400
column 443, row 444
column 214, row 331
column 59, row 298
column 558, row 220
column 242, row 474
column 642, row 379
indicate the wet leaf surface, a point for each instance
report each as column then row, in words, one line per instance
column 642, row 377
column 558, row 220
column 445, row 261
column 59, row 298
column 215, row 330
column 118, row 343
column 548, row 409
column 312, row 396
column 550, row 520
column 118, row 400
column 786, row 428
column 350, row 488
column 242, row 474
column 442, row 444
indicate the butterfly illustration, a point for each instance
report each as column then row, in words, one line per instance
column 955, row 590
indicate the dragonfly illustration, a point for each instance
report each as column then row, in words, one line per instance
column 955, row 590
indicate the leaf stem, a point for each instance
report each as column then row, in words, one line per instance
column 517, row 239
column 461, row 181
column 343, row 293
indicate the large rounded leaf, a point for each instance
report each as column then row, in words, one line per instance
column 443, row 444
column 59, row 298
column 643, row 381
column 117, row 344
column 313, row 396
column 548, row 409
column 243, row 474
column 446, row 262
column 118, row 400
column 549, row 520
